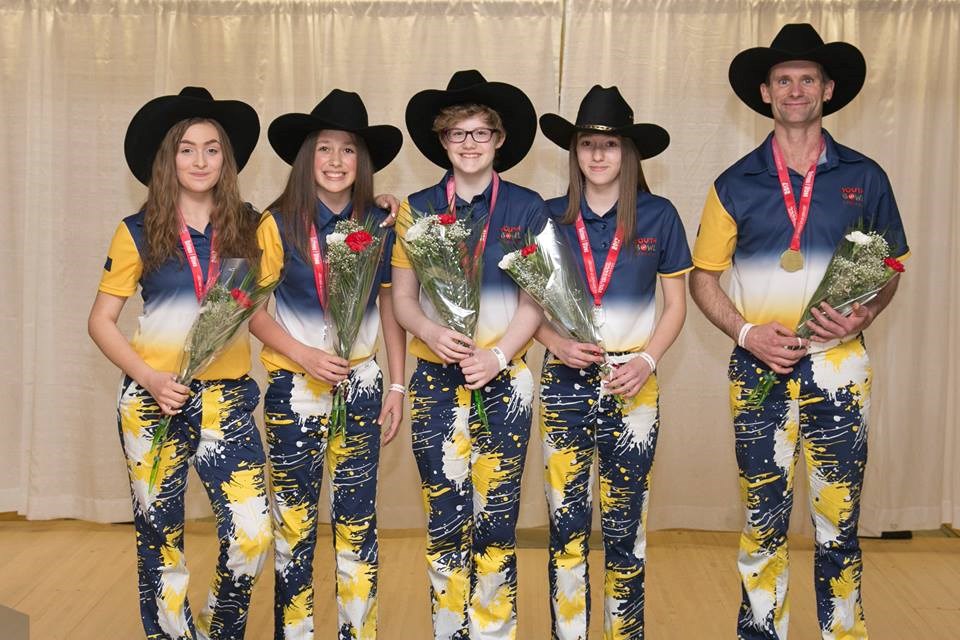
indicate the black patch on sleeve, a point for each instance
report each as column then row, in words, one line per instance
column 108, row 264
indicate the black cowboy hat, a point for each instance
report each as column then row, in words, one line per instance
column 470, row 87
column 151, row 123
column 340, row 110
column 605, row 111
column 842, row 61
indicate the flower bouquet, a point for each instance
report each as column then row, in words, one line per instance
column 444, row 252
column 228, row 303
column 545, row 269
column 860, row 267
column 351, row 260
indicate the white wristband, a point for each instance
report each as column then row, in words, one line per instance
column 399, row 388
column 646, row 357
column 501, row 359
column 742, row 337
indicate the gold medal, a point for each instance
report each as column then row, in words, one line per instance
column 791, row 260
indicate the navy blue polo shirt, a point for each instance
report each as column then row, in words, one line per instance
column 169, row 300
column 298, row 308
column 660, row 248
column 517, row 210
column 745, row 225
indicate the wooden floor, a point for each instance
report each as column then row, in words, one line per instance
column 77, row 581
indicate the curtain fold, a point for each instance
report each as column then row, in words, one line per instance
column 74, row 73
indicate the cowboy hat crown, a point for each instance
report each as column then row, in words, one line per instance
column 340, row 110
column 604, row 110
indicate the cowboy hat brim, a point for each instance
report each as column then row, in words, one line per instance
column 152, row 122
column 287, row 133
column 842, row 61
column 515, row 109
column 650, row 139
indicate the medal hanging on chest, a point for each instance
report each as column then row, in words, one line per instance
column 791, row 260
column 597, row 287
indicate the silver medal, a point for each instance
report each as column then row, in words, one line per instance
column 599, row 316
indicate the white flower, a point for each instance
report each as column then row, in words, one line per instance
column 334, row 238
column 417, row 230
column 507, row 260
column 859, row 237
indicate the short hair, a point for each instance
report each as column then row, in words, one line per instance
column 451, row 115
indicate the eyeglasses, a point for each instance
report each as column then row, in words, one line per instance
column 483, row 134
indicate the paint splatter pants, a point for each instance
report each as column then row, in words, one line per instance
column 470, row 479
column 820, row 409
column 580, row 428
column 296, row 409
column 216, row 432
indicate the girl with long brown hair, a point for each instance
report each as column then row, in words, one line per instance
column 333, row 153
column 187, row 149
column 624, row 240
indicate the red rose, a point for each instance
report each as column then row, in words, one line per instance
column 530, row 249
column 446, row 218
column 359, row 240
column 242, row 298
column 894, row 264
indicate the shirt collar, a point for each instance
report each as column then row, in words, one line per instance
column 324, row 216
column 760, row 160
column 588, row 213
column 460, row 202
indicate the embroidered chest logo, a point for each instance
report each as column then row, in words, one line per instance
column 647, row 246
column 852, row 196
column 509, row 233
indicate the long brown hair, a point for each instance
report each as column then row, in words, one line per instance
column 631, row 181
column 233, row 219
column 298, row 201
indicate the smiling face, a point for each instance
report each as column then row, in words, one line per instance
column 599, row 157
column 796, row 91
column 470, row 157
column 334, row 163
column 199, row 158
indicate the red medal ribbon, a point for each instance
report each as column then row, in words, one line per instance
column 213, row 267
column 317, row 259
column 597, row 289
column 451, row 202
column 797, row 217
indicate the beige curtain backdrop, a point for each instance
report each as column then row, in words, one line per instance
column 73, row 73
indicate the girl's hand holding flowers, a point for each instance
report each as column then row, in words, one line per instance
column 452, row 346
column 577, row 355
column 628, row 378
column 321, row 365
column 169, row 394
column 479, row 368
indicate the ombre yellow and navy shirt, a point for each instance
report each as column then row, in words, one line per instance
column 298, row 308
column 659, row 248
column 517, row 210
column 169, row 301
column 745, row 226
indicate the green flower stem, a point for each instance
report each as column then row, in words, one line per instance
column 156, row 447
column 759, row 393
column 481, row 410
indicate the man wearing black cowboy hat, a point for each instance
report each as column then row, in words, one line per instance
column 775, row 218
